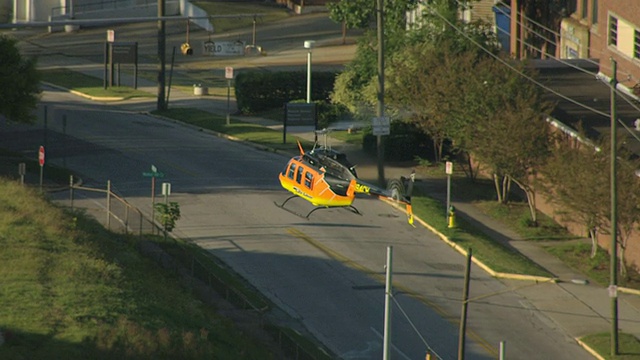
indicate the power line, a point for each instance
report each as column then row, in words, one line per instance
column 414, row 327
column 575, row 102
column 518, row 71
column 524, row 25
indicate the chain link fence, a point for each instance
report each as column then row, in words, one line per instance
column 119, row 216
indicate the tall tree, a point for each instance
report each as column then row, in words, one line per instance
column 572, row 180
column 19, row 83
column 628, row 200
column 355, row 87
column 515, row 141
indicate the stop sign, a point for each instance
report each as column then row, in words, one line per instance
column 41, row 155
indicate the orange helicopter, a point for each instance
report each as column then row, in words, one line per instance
column 326, row 179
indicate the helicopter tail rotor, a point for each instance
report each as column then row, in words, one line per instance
column 400, row 191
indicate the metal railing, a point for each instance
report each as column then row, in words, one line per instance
column 119, row 216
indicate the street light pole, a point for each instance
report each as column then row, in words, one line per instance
column 308, row 44
column 613, row 263
column 161, row 103
column 380, row 108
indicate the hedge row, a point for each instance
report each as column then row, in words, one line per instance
column 405, row 142
column 262, row 90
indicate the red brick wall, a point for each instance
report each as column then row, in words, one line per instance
column 629, row 10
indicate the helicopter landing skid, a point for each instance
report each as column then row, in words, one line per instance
column 351, row 208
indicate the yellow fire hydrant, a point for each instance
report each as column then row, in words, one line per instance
column 452, row 217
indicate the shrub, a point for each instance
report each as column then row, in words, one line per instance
column 262, row 90
column 405, row 142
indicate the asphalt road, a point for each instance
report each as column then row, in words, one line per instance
column 324, row 272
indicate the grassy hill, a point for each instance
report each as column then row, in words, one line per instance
column 70, row 289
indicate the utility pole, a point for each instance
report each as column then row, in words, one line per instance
column 380, row 109
column 386, row 351
column 162, row 105
column 613, row 263
column 465, row 304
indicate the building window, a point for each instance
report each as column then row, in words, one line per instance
column 594, row 12
column 636, row 45
column 622, row 36
column 613, row 31
column 584, row 9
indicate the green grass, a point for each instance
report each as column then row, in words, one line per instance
column 71, row 288
column 89, row 85
column 184, row 81
column 628, row 346
column 577, row 256
column 246, row 131
column 518, row 217
column 354, row 138
column 498, row 257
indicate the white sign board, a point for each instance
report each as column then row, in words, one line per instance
column 448, row 168
column 111, row 36
column 381, row 125
column 223, row 48
column 228, row 72
column 166, row 189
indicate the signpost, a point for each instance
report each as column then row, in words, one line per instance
column 153, row 174
column 41, row 161
column 228, row 74
column 381, row 125
column 300, row 114
column 119, row 53
column 223, row 48
column 22, row 171
column 448, row 169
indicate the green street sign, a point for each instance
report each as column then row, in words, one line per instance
column 153, row 174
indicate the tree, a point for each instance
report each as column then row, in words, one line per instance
column 574, row 182
column 424, row 85
column 355, row 87
column 168, row 214
column 19, row 83
column 515, row 140
column 352, row 14
column 628, row 200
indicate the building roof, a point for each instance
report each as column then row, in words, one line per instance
column 589, row 99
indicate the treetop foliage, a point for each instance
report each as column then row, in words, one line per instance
column 19, row 83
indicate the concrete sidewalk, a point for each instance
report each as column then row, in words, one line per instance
column 574, row 304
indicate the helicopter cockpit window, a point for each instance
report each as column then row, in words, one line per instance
column 292, row 170
column 299, row 175
column 308, row 180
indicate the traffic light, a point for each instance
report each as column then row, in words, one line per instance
column 186, row 49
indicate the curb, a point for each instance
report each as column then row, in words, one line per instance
column 78, row 93
column 464, row 252
column 589, row 349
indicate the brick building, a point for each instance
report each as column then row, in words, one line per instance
column 605, row 29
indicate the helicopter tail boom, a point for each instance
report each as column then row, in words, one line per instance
column 395, row 192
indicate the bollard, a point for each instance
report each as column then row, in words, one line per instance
column 452, row 217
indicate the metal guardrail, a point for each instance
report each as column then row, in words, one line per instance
column 120, row 215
